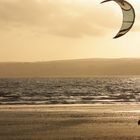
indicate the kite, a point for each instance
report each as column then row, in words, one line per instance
column 128, row 16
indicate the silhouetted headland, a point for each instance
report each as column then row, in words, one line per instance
column 71, row 68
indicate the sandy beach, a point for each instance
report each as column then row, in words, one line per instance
column 69, row 122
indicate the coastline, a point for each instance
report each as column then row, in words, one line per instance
column 70, row 122
column 132, row 107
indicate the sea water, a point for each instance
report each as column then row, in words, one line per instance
column 95, row 90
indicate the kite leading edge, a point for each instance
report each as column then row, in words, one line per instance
column 128, row 16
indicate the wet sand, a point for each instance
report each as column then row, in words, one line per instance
column 69, row 122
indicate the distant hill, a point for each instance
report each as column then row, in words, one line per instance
column 71, row 68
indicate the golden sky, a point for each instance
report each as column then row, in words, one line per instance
column 42, row 30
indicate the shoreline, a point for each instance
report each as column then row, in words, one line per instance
column 70, row 122
column 123, row 107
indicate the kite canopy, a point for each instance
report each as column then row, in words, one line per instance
column 128, row 17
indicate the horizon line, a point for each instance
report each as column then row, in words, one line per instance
column 55, row 60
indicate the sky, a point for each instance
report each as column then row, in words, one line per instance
column 46, row 30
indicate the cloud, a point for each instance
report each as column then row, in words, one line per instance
column 61, row 17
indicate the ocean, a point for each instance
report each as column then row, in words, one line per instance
column 95, row 90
